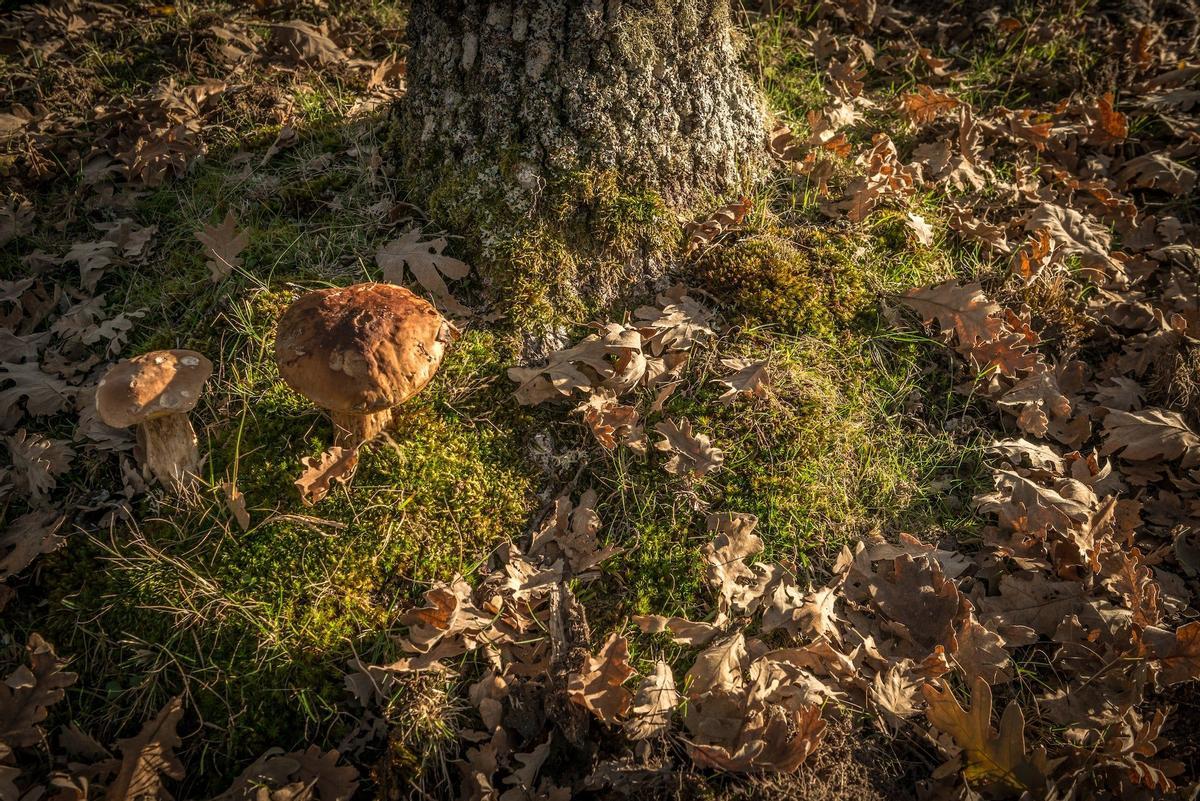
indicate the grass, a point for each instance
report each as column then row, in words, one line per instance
column 256, row 627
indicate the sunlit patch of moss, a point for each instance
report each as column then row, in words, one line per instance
column 812, row 288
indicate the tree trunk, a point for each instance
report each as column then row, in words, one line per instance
column 570, row 131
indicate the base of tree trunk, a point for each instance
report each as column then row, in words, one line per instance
column 563, row 139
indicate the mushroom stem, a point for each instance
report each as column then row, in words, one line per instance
column 169, row 450
column 352, row 430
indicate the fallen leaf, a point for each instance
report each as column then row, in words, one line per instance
column 27, row 693
column 149, row 756
column 223, row 245
column 991, row 757
column 748, row 379
column 427, row 264
column 27, row 537
column 926, row 104
column 597, row 686
column 236, row 501
column 336, row 465
column 656, row 699
column 691, row 455
column 1151, row 434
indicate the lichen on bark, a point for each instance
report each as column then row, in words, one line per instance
column 560, row 138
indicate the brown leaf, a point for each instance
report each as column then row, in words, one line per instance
column 571, row 533
column 1182, row 662
column 682, row 630
column 147, row 757
column 284, row 775
column 705, row 232
column 679, row 323
column 28, row 691
column 653, row 704
column 926, row 104
column 427, row 265
column 963, row 309
column 612, row 422
column 43, row 394
column 36, row 461
column 691, row 455
column 298, row 40
column 336, row 465
column 597, row 686
column 991, row 757
column 738, row 585
column 236, row 501
column 919, row 600
column 1151, row 434
column 27, row 537
column 612, row 360
column 748, row 379
column 223, row 245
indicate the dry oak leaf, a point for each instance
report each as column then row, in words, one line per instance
column 691, row 455
column 773, row 738
column 223, row 245
column 612, row 422
column 656, row 699
column 682, row 630
column 1026, row 506
column 703, row 233
column 679, row 323
column 1151, row 434
column 926, row 104
column 739, row 586
column 27, row 692
column 147, row 757
column 302, row 41
column 963, row 309
column 27, row 537
column 612, row 360
column 309, row 775
column 427, row 264
column 336, row 465
column 1073, row 234
column 921, row 230
column 597, row 687
column 894, row 692
column 749, row 378
column 44, row 394
column 990, row 757
column 236, row 502
column 571, row 532
column 1182, row 662
column 919, row 600
column 36, row 462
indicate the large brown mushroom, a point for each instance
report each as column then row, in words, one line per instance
column 155, row 392
column 359, row 352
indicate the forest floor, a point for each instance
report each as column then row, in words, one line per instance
column 939, row 369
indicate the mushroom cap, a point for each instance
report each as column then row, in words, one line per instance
column 362, row 348
column 154, row 384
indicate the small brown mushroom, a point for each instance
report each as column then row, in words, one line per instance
column 155, row 392
column 359, row 352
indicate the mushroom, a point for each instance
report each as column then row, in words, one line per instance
column 155, row 392
column 359, row 352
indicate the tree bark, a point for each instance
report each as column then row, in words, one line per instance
column 512, row 104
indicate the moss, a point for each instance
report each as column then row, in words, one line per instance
column 258, row 625
column 770, row 280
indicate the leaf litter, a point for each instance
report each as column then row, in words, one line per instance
column 1089, row 559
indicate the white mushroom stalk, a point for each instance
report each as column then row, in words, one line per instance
column 155, row 392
